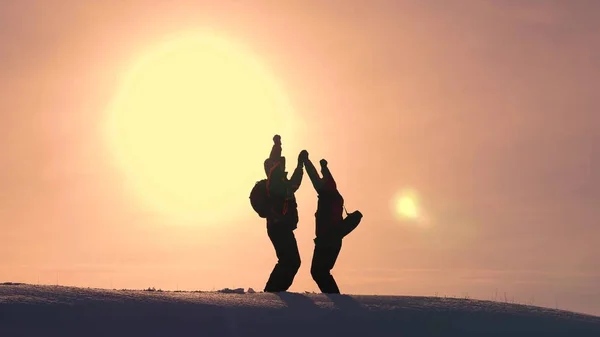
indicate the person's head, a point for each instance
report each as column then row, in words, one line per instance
column 327, row 185
column 275, row 166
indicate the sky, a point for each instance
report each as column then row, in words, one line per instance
column 487, row 110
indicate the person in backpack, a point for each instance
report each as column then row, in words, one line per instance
column 282, row 217
column 331, row 226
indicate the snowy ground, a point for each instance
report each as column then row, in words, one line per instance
column 27, row 310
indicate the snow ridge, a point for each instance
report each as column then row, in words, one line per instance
column 28, row 310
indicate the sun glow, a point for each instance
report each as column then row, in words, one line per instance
column 406, row 205
column 192, row 122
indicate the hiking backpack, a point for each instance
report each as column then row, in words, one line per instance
column 259, row 198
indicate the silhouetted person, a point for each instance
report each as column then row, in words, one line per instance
column 282, row 220
column 331, row 227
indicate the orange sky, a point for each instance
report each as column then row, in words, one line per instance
column 488, row 110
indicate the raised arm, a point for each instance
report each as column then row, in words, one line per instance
column 296, row 178
column 315, row 179
column 276, row 149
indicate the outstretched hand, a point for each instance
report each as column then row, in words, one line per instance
column 323, row 162
column 277, row 139
column 303, row 156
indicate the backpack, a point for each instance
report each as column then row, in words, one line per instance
column 350, row 223
column 259, row 198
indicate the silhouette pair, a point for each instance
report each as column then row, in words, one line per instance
column 282, row 219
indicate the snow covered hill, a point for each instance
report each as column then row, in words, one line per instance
column 27, row 310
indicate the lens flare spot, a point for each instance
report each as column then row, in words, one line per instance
column 406, row 205
column 408, row 208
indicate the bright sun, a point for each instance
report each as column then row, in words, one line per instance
column 191, row 124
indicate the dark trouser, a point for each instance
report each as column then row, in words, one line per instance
column 288, row 263
column 324, row 257
column 327, row 249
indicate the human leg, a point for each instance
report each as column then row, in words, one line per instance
column 288, row 259
column 324, row 257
